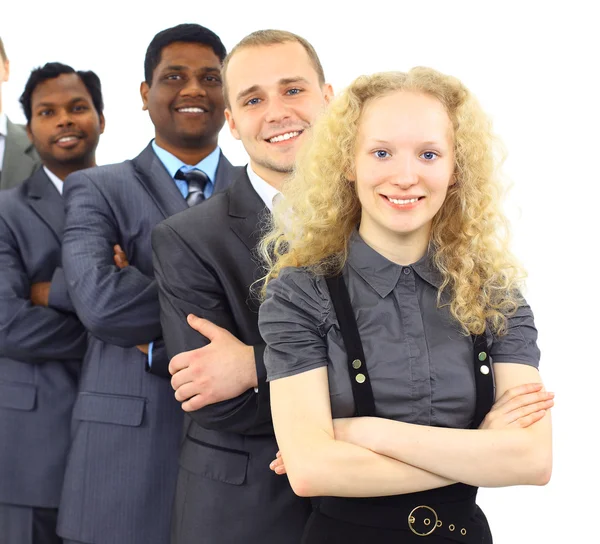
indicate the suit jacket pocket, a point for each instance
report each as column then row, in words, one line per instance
column 18, row 396
column 115, row 409
column 214, row 462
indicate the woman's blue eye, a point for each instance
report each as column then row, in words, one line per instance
column 381, row 154
column 429, row 155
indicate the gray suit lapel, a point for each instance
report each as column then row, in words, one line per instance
column 247, row 211
column 153, row 176
column 226, row 173
column 20, row 158
column 46, row 201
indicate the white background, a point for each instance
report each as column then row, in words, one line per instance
column 532, row 65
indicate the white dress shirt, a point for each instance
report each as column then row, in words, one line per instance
column 266, row 192
column 55, row 180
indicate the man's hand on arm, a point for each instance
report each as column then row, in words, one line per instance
column 121, row 262
column 120, row 257
column 40, row 293
column 221, row 370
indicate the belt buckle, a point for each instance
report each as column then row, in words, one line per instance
column 426, row 521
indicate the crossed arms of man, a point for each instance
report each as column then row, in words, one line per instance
column 36, row 324
column 117, row 305
column 220, row 380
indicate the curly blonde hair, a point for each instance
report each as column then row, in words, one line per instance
column 469, row 242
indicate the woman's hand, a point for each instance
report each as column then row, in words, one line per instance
column 277, row 465
column 519, row 407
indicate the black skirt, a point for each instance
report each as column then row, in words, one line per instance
column 442, row 516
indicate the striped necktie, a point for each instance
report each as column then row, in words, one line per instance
column 196, row 180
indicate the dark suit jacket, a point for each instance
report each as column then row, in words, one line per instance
column 204, row 264
column 41, row 348
column 122, row 468
column 20, row 157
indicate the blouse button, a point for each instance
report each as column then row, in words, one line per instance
column 356, row 364
column 360, row 378
column 484, row 369
column 407, row 270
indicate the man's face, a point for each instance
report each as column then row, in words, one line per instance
column 185, row 99
column 4, row 71
column 65, row 126
column 275, row 96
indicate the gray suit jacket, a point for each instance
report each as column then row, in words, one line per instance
column 121, row 472
column 20, row 157
column 41, row 348
column 205, row 264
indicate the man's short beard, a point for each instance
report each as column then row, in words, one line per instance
column 282, row 169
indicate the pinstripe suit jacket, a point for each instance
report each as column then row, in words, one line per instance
column 41, row 348
column 122, row 467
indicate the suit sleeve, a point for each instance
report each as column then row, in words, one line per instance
column 30, row 333
column 160, row 360
column 119, row 306
column 59, row 297
column 188, row 285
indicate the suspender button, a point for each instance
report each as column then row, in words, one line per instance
column 482, row 356
column 484, row 369
column 360, row 378
column 356, row 364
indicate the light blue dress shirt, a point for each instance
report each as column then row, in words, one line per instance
column 208, row 165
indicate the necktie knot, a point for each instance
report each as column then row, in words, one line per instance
column 196, row 182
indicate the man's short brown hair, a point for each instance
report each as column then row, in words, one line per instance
column 271, row 37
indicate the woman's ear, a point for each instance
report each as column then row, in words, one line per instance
column 349, row 173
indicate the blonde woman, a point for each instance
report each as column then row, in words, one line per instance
column 394, row 322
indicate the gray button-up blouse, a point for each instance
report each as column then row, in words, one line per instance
column 420, row 362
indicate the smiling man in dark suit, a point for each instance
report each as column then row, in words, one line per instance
column 122, row 468
column 18, row 157
column 42, row 343
column 205, row 265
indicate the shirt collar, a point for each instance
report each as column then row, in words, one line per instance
column 208, row 164
column 265, row 191
column 381, row 273
column 56, row 181
column 3, row 124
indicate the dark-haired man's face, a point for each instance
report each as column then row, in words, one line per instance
column 65, row 126
column 185, row 100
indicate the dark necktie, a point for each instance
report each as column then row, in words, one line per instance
column 196, row 180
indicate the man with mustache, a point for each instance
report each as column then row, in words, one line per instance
column 122, row 467
column 274, row 89
column 42, row 342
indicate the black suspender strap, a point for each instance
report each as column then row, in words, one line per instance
column 357, row 366
column 484, row 379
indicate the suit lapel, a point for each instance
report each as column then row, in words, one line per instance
column 46, row 201
column 247, row 211
column 153, row 176
column 226, row 173
column 18, row 163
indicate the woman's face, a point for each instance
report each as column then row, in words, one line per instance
column 404, row 165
